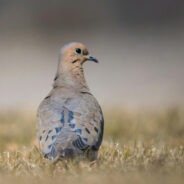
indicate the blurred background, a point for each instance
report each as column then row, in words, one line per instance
column 139, row 83
column 140, row 45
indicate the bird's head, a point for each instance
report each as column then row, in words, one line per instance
column 70, row 70
column 74, row 54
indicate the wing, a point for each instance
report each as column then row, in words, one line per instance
column 76, row 123
column 50, row 122
column 86, row 120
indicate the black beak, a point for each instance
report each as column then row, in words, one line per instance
column 91, row 58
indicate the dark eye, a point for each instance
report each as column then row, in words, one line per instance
column 78, row 51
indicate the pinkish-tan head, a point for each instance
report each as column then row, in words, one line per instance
column 73, row 55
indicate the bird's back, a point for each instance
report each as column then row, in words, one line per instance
column 69, row 123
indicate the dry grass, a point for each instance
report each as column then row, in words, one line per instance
column 138, row 147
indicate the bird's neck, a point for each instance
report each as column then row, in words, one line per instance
column 71, row 78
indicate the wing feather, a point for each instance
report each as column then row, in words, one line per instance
column 82, row 123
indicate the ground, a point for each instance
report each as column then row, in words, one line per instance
column 143, row 146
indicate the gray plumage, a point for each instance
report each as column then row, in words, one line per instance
column 69, row 120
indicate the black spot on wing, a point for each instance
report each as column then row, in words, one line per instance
column 58, row 129
column 87, row 130
column 46, row 138
column 98, row 143
column 84, row 92
column 52, row 153
column 70, row 114
column 50, row 146
column 49, row 131
column 78, row 131
column 96, row 129
column 62, row 118
column 54, row 137
column 78, row 143
column 72, row 125
column 47, row 97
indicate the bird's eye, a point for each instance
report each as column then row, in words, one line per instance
column 78, row 51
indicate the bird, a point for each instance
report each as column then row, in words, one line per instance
column 70, row 121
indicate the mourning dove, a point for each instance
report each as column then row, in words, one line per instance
column 69, row 120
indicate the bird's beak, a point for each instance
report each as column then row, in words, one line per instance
column 91, row 58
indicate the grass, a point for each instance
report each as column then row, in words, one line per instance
column 138, row 147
